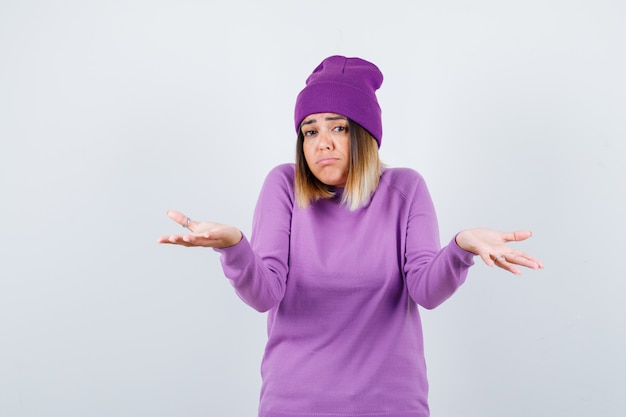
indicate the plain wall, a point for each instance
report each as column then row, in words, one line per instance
column 112, row 112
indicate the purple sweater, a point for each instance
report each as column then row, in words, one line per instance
column 342, row 289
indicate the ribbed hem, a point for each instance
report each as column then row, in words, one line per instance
column 402, row 414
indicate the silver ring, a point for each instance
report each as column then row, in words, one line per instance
column 498, row 257
column 186, row 225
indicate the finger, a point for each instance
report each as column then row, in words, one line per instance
column 205, row 240
column 172, row 240
column 487, row 259
column 523, row 259
column 177, row 216
column 503, row 262
column 517, row 236
column 182, row 219
column 534, row 260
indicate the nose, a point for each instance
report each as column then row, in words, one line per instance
column 325, row 141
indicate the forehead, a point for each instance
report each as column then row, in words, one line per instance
column 319, row 117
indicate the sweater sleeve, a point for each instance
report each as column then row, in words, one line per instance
column 258, row 268
column 432, row 273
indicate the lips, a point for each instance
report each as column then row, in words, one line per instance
column 326, row 161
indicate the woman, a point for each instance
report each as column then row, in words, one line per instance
column 342, row 253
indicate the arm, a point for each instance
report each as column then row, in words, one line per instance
column 257, row 270
column 432, row 274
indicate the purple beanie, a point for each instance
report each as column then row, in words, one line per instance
column 346, row 86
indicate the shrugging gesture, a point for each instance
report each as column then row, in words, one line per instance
column 345, row 251
column 490, row 245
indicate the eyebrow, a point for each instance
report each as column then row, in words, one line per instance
column 329, row 118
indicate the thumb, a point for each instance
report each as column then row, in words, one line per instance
column 178, row 217
column 517, row 236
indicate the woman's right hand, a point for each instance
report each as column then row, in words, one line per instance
column 207, row 234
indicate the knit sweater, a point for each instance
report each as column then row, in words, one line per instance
column 342, row 290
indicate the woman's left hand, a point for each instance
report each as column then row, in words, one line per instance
column 490, row 245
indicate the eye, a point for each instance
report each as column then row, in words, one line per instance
column 308, row 132
column 340, row 128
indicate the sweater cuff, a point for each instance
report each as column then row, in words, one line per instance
column 465, row 257
column 237, row 254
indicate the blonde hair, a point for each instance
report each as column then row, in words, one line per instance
column 363, row 172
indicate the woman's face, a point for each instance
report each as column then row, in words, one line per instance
column 327, row 147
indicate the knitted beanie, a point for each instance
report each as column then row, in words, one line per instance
column 345, row 86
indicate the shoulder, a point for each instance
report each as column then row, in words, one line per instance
column 280, row 179
column 407, row 185
column 402, row 180
column 283, row 170
column 282, row 173
column 401, row 173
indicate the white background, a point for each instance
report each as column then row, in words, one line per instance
column 112, row 112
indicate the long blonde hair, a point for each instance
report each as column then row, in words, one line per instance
column 363, row 172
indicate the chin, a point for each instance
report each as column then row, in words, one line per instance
column 332, row 180
column 337, row 183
